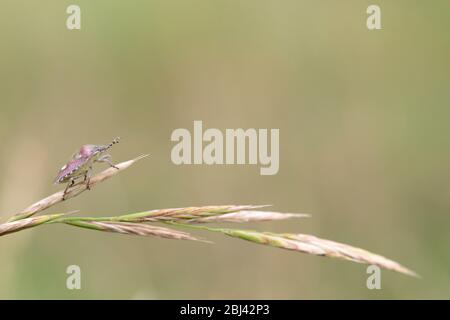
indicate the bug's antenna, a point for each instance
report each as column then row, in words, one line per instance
column 116, row 140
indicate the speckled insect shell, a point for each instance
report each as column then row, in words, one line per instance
column 79, row 164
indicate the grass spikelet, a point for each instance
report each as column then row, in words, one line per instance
column 22, row 224
column 130, row 228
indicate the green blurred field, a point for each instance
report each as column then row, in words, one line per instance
column 364, row 141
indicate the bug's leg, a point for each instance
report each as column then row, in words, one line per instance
column 106, row 158
column 87, row 178
column 70, row 184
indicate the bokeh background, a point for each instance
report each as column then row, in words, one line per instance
column 364, row 142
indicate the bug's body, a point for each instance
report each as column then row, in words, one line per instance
column 81, row 163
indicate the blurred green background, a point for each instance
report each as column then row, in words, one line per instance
column 364, row 142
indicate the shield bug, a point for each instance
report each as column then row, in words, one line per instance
column 81, row 164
